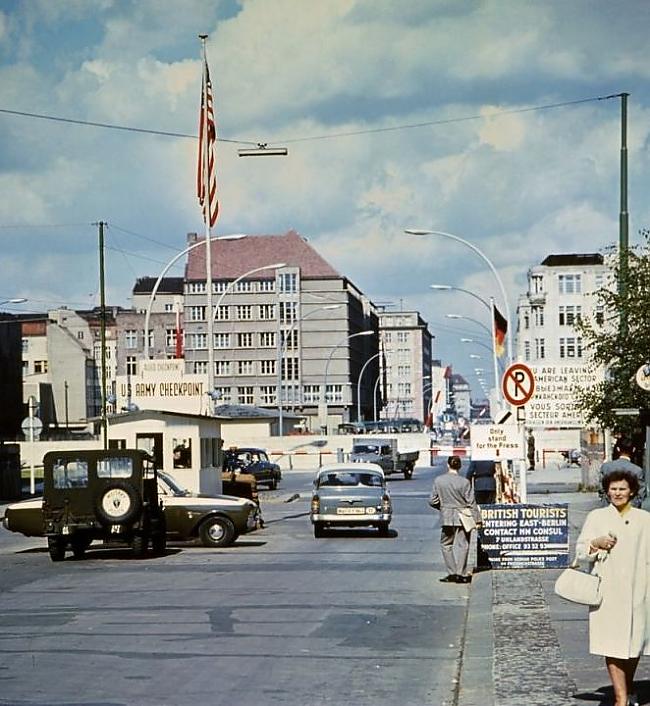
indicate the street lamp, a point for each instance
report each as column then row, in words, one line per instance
column 323, row 402
column 365, row 365
column 449, row 287
column 480, row 253
column 15, row 300
column 469, row 318
column 207, row 242
column 282, row 345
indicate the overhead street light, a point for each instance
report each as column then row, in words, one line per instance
column 449, row 287
column 15, row 300
column 469, row 318
column 480, row 253
column 263, row 150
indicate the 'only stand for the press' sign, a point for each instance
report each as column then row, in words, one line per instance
column 526, row 536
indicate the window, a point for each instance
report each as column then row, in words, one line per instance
column 169, row 307
column 182, row 455
column 25, row 367
column 25, row 343
column 600, row 314
column 571, row 347
column 219, row 287
column 388, row 337
column 245, row 367
column 80, row 335
column 244, row 340
column 267, row 367
column 569, row 314
column 223, row 394
column 197, row 341
column 538, row 315
column 290, row 368
column 244, row 312
column 267, row 285
column 170, row 337
column 404, row 355
column 196, row 287
column 334, row 393
column 200, row 367
column 288, row 282
column 222, row 367
column 267, row 311
column 537, row 284
column 539, row 348
column 403, row 371
column 311, row 394
column 131, row 365
column 268, row 394
column 130, row 338
column 245, row 395
column 150, row 339
column 402, row 336
column 290, row 339
column 118, row 467
column 267, row 339
column 526, row 350
column 403, row 389
column 222, row 340
column 196, row 313
column 70, row 474
column 40, row 366
column 223, row 313
column 570, row 284
column 526, row 320
column 599, row 280
column 246, row 285
column 288, row 312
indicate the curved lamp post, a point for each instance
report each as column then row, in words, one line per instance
column 282, row 346
column 205, row 242
column 469, row 318
column 449, row 287
column 15, row 300
column 323, row 402
column 365, row 365
column 481, row 254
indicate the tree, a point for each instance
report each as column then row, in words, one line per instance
column 619, row 343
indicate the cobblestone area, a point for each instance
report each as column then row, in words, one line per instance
column 528, row 664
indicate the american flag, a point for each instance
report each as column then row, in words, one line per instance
column 207, row 142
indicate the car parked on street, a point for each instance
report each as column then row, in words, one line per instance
column 216, row 520
column 255, row 462
column 350, row 495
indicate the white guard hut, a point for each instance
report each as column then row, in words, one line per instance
column 186, row 445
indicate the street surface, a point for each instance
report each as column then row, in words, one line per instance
column 278, row 618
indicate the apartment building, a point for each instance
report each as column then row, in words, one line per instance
column 406, row 343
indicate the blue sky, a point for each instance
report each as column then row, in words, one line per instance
column 519, row 185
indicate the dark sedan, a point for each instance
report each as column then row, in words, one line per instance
column 255, row 462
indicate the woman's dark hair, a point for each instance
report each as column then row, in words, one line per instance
column 631, row 478
column 454, row 462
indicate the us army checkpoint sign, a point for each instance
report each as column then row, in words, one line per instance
column 496, row 442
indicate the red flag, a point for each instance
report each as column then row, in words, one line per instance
column 206, row 177
column 500, row 330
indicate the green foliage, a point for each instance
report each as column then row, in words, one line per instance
column 620, row 344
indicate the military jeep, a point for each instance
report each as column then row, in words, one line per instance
column 110, row 496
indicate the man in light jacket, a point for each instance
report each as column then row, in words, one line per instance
column 453, row 496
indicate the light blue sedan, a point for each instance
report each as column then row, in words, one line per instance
column 350, row 495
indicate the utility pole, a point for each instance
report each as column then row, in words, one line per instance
column 623, row 221
column 102, row 331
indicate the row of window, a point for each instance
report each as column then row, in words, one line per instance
column 568, row 348
column 568, row 315
column 245, row 312
column 287, row 283
column 267, row 394
column 199, row 341
column 400, row 336
column 224, row 368
column 567, row 283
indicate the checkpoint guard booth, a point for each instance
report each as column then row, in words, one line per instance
column 188, row 446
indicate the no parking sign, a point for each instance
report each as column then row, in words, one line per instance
column 518, row 384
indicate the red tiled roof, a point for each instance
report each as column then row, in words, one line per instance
column 231, row 258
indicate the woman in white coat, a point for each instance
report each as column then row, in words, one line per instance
column 616, row 539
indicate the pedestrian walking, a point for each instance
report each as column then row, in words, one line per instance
column 530, row 450
column 482, row 476
column 453, row 496
column 616, row 540
column 624, row 463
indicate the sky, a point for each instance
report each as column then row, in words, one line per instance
column 431, row 114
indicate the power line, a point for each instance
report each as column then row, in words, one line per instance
column 144, row 237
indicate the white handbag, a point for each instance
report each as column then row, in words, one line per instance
column 579, row 586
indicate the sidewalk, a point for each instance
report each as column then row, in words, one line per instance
column 524, row 646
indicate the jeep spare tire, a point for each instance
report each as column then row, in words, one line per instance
column 118, row 503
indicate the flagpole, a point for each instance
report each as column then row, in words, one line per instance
column 494, row 350
column 207, row 218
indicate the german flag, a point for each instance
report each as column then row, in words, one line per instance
column 500, row 331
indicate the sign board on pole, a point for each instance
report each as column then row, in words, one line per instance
column 496, row 442
column 518, row 384
column 643, row 377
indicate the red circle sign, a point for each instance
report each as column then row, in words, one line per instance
column 518, row 384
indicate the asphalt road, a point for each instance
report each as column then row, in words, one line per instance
column 279, row 618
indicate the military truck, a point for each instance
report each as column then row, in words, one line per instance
column 384, row 453
column 110, row 496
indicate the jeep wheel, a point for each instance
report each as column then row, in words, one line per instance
column 79, row 545
column 118, row 503
column 217, row 532
column 140, row 544
column 56, row 547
